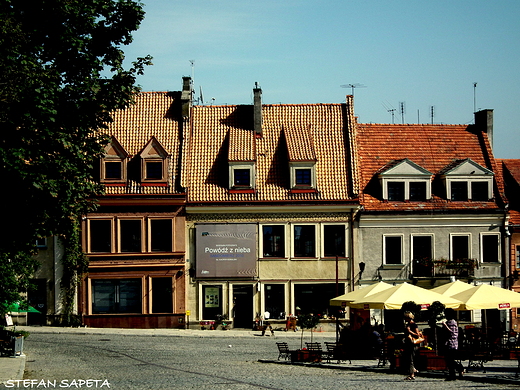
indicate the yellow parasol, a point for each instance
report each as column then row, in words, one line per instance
column 452, row 288
column 394, row 297
column 346, row 299
column 486, row 296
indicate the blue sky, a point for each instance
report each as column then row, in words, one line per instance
column 421, row 53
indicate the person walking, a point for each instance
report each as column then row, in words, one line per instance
column 451, row 345
column 411, row 332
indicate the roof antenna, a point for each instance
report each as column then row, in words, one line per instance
column 403, row 110
column 474, row 97
column 389, row 108
column 431, row 113
column 353, row 86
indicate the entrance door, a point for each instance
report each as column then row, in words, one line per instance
column 242, row 306
column 37, row 298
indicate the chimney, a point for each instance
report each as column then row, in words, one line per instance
column 186, row 96
column 257, row 110
column 484, row 123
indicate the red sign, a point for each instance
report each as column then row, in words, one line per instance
column 504, row 306
column 425, row 306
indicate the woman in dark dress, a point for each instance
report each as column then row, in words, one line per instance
column 411, row 331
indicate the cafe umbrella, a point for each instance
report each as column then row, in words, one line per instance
column 452, row 288
column 394, row 297
column 345, row 299
column 486, row 296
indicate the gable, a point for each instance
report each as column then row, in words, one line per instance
column 405, row 167
column 153, row 149
column 466, row 168
column 115, row 150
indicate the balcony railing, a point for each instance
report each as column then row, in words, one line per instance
column 428, row 268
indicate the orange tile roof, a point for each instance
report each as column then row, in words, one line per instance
column 433, row 147
column 206, row 162
column 511, row 174
column 154, row 114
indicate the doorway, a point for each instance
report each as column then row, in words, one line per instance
column 242, row 312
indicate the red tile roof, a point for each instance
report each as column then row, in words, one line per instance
column 433, row 147
column 511, row 172
column 209, row 149
column 152, row 115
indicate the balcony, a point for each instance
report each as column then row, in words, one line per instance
column 443, row 268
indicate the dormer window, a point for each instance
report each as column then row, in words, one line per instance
column 404, row 180
column 241, row 160
column 113, row 163
column 241, row 176
column 302, row 158
column 154, row 162
column 302, row 175
column 466, row 180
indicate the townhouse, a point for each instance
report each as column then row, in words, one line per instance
column 271, row 195
column 135, row 240
column 433, row 205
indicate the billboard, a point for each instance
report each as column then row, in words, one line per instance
column 225, row 250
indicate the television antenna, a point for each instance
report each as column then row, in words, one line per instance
column 353, row 86
column 389, row 108
column 402, row 109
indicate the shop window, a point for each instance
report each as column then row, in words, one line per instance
column 334, row 240
column 304, row 241
column 161, row 233
column 273, row 241
column 315, row 298
column 100, row 235
column 490, row 248
column 130, row 235
column 162, row 295
column 275, row 300
column 393, row 250
column 518, row 256
column 116, row 296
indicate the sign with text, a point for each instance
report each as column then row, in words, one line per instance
column 226, row 250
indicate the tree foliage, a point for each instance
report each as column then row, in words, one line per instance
column 63, row 73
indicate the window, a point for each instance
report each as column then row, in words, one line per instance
column 114, row 162
column 466, row 180
column 41, row 243
column 275, row 300
column 304, row 241
column 100, row 233
column 417, row 191
column 421, row 247
column 393, row 250
column 126, row 235
column 113, row 170
column 162, row 295
column 161, row 235
column 404, row 180
column 479, row 191
column 130, row 235
column 303, row 176
column 241, row 176
column 116, row 296
column 459, row 190
column 460, row 247
column 154, row 170
column 396, row 191
column 490, row 248
column 333, row 240
column 518, row 256
column 154, row 162
column 273, row 241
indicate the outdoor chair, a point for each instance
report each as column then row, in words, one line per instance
column 333, row 353
column 283, row 351
column 315, row 351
